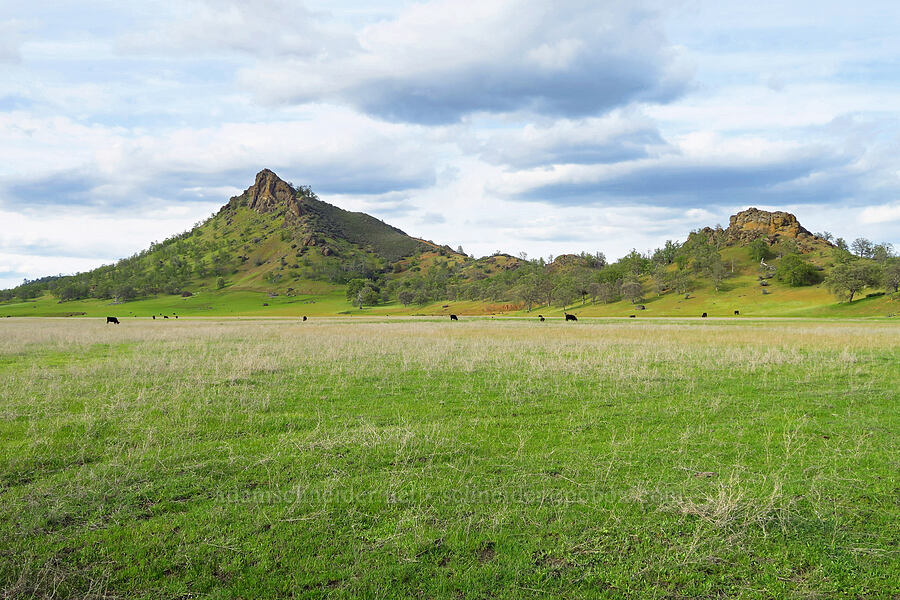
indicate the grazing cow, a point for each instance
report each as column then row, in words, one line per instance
column 165, row 316
column 737, row 312
column 304, row 318
column 571, row 317
column 453, row 318
column 154, row 317
column 541, row 317
column 632, row 316
column 112, row 320
column 703, row 315
column 176, row 316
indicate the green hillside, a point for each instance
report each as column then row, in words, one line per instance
column 278, row 250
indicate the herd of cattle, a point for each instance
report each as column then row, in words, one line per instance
column 569, row 317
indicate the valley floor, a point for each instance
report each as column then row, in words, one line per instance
column 505, row 458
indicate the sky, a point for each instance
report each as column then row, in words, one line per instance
column 536, row 126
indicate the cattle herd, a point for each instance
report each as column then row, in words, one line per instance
column 568, row 316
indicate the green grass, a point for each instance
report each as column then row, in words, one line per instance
column 338, row 458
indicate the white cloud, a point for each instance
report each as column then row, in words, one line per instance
column 442, row 60
column 275, row 28
column 885, row 213
column 10, row 40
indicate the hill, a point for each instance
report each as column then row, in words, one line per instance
column 277, row 249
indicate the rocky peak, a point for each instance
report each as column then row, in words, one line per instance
column 753, row 223
column 268, row 192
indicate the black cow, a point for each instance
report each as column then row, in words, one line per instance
column 453, row 318
column 176, row 316
column 703, row 315
column 632, row 316
column 571, row 317
column 737, row 312
column 154, row 317
column 304, row 318
column 112, row 320
column 541, row 317
column 165, row 316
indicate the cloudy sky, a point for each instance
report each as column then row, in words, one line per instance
column 543, row 126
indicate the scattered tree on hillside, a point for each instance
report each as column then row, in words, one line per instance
column 609, row 291
column 406, row 297
column 882, row 252
column 666, row 255
column 633, row 291
column 566, row 291
column 787, row 246
column 759, row 250
column 368, row 296
column 848, row 279
column 795, row 271
column 862, row 247
column 717, row 273
column 634, row 264
column 892, row 276
column 682, row 282
column 661, row 279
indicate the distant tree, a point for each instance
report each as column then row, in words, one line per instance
column 848, row 279
column 367, row 296
column 609, row 291
column 597, row 260
column 862, row 247
column 825, row 235
column 841, row 244
column 759, row 250
column 660, row 279
column 795, row 271
column 787, row 246
column 220, row 283
column 583, row 277
column 566, row 291
column 717, row 273
column 634, row 263
column 633, row 290
column 841, row 255
column 882, row 252
column 354, row 286
column 124, row 293
column 666, row 255
column 406, row 297
column 682, row 282
column 892, row 276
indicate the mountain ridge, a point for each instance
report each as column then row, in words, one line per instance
column 281, row 240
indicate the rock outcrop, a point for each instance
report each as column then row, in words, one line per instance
column 753, row 223
column 269, row 192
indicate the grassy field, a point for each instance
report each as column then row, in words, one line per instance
column 740, row 293
column 394, row 458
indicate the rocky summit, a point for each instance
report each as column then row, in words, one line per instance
column 753, row 223
column 268, row 193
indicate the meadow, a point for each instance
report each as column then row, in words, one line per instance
column 398, row 457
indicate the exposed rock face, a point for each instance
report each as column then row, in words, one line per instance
column 753, row 223
column 268, row 193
